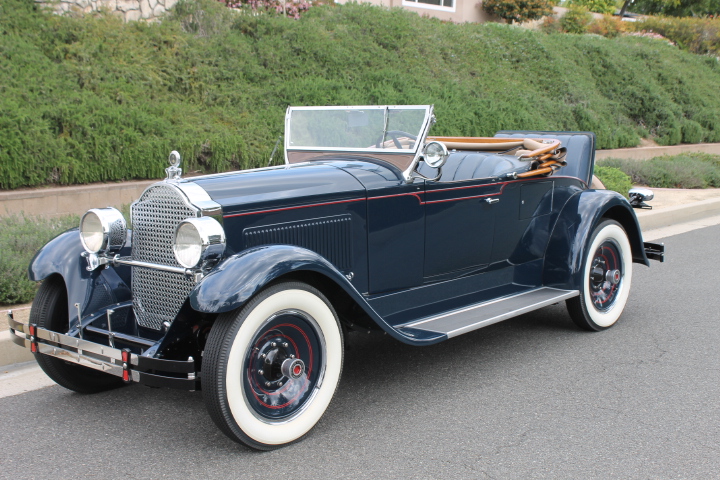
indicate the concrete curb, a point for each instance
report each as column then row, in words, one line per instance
column 649, row 220
column 652, row 219
column 11, row 353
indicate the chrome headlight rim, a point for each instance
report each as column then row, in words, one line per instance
column 109, row 225
column 209, row 246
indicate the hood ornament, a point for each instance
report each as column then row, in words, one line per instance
column 173, row 171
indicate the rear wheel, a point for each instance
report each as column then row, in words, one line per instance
column 50, row 311
column 271, row 368
column 606, row 278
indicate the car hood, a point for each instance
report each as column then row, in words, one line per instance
column 282, row 186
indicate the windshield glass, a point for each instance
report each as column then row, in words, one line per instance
column 371, row 128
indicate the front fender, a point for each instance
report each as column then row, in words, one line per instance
column 241, row 276
column 573, row 229
column 90, row 290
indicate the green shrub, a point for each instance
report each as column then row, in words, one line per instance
column 597, row 6
column 697, row 35
column 687, row 170
column 692, row 132
column 607, row 26
column 20, row 238
column 576, row 20
column 614, row 179
column 518, row 10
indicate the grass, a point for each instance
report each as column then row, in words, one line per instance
column 86, row 99
column 687, row 170
column 20, row 238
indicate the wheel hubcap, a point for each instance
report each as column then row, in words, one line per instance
column 605, row 276
column 283, row 366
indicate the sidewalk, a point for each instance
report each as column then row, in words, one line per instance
column 674, row 211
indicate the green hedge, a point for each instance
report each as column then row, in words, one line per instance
column 687, row 170
column 92, row 99
column 697, row 35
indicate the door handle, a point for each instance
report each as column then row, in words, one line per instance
column 492, row 200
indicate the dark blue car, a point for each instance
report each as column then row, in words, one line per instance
column 244, row 284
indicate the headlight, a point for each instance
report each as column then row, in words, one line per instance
column 103, row 230
column 198, row 240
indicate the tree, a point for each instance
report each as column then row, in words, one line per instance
column 518, row 10
column 652, row 3
column 681, row 8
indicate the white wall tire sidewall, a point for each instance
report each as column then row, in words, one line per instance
column 616, row 233
column 291, row 430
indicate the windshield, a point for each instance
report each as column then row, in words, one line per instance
column 372, row 128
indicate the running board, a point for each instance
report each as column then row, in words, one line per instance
column 457, row 322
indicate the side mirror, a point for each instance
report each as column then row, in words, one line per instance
column 638, row 197
column 435, row 154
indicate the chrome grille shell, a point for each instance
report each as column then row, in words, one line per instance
column 157, row 295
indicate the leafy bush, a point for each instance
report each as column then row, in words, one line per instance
column 692, row 132
column 20, row 238
column 576, row 20
column 87, row 99
column 607, row 26
column 518, row 10
column 697, row 35
column 597, row 6
column 614, row 179
column 687, row 170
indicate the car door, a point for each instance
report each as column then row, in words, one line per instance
column 459, row 226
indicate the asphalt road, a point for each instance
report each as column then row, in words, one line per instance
column 532, row 397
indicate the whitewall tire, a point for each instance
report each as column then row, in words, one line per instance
column 271, row 368
column 606, row 279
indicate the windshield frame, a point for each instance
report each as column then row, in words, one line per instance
column 424, row 127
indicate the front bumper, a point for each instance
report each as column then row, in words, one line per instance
column 154, row 372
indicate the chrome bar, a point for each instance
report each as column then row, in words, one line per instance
column 83, row 346
column 141, row 342
column 106, row 366
column 111, row 335
column 79, row 320
column 155, row 266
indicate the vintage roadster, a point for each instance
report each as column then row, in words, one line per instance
column 244, row 284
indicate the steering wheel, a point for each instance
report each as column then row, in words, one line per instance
column 394, row 135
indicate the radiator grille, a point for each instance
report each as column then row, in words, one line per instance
column 331, row 237
column 157, row 295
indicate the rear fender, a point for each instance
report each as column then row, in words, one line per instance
column 573, row 229
column 238, row 278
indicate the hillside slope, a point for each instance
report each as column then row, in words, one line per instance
column 88, row 99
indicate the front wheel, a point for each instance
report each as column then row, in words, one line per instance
column 50, row 311
column 271, row 368
column 606, row 277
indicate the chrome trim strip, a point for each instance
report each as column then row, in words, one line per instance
column 200, row 199
column 447, row 322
